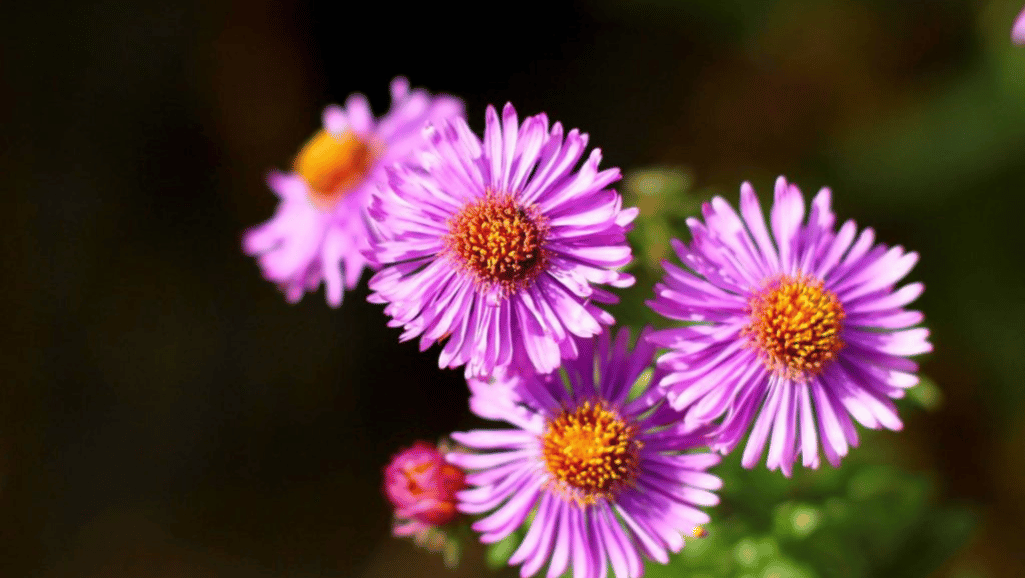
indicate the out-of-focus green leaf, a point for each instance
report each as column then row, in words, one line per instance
column 663, row 195
column 665, row 200
column 498, row 553
column 451, row 553
column 796, row 520
column 926, row 394
column 857, row 521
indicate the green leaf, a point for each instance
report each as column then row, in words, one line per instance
column 926, row 394
column 498, row 554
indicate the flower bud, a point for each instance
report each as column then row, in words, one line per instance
column 422, row 487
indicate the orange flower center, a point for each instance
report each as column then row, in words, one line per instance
column 498, row 241
column 590, row 452
column 333, row 165
column 796, row 324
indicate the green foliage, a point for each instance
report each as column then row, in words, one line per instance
column 498, row 554
column 926, row 394
column 665, row 200
column 860, row 520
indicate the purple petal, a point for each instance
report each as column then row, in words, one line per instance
column 1018, row 32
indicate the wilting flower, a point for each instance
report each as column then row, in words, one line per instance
column 319, row 231
column 422, row 487
column 595, row 454
column 794, row 333
column 495, row 245
column 1018, row 32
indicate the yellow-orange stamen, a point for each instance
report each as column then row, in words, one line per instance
column 498, row 241
column 590, row 452
column 796, row 325
column 332, row 165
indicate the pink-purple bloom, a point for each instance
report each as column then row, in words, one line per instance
column 496, row 246
column 319, row 232
column 1018, row 32
column 422, row 487
column 605, row 466
column 792, row 333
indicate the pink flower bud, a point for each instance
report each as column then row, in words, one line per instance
column 422, row 485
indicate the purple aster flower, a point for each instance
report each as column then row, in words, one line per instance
column 496, row 245
column 319, row 231
column 1018, row 32
column 794, row 333
column 595, row 455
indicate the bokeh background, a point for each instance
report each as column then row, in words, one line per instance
column 164, row 413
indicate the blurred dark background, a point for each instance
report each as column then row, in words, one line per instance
column 163, row 411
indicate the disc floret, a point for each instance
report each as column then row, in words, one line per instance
column 498, row 241
column 334, row 164
column 795, row 324
column 591, row 452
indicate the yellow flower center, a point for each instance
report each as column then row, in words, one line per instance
column 590, row 452
column 332, row 165
column 796, row 324
column 498, row 241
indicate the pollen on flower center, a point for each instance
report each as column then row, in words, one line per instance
column 796, row 324
column 591, row 452
column 499, row 241
column 332, row 165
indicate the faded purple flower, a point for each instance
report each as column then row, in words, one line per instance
column 495, row 245
column 794, row 333
column 1018, row 32
column 595, row 454
column 319, row 231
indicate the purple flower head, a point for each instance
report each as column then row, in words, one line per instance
column 422, row 487
column 319, row 231
column 496, row 245
column 794, row 333
column 595, row 454
column 1018, row 32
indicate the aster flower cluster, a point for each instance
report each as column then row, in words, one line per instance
column 503, row 250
